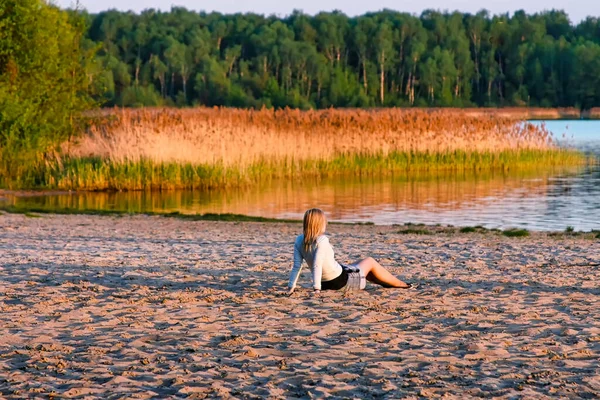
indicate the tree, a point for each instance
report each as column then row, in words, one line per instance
column 178, row 57
column 44, row 82
column 331, row 30
column 476, row 31
column 384, row 49
column 159, row 69
column 585, row 79
column 361, row 33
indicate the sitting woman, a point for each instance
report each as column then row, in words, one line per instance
column 327, row 274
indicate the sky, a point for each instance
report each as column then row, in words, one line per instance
column 577, row 9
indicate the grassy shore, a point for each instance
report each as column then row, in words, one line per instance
column 103, row 174
column 404, row 229
column 215, row 148
column 34, row 211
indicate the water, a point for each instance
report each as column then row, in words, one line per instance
column 582, row 134
column 547, row 199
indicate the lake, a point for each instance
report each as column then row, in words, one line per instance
column 545, row 199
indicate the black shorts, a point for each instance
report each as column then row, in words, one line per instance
column 351, row 279
column 336, row 283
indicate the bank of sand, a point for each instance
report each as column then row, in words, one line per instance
column 142, row 307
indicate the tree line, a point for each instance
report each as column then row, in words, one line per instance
column 44, row 82
column 386, row 58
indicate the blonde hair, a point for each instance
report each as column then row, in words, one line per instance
column 314, row 225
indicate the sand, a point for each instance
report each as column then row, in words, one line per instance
column 151, row 307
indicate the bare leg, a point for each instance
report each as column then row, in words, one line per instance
column 377, row 274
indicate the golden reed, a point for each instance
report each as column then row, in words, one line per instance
column 243, row 137
column 166, row 148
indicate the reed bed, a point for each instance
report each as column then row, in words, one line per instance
column 205, row 148
column 244, row 137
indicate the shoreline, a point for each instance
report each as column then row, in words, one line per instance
column 146, row 307
column 405, row 228
column 526, row 113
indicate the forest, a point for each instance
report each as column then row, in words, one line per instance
column 381, row 59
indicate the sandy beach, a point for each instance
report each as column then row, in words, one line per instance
column 153, row 307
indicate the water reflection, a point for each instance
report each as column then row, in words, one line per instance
column 540, row 200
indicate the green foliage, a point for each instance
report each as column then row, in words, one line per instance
column 140, row 96
column 32, row 215
column 331, row 60
column 29, row 211
column 473, row 229
column 412, row 231
column 43, row 81
column 515, row 232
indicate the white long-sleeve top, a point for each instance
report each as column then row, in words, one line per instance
column 320, row 259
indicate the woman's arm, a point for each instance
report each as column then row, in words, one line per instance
column 317, row 271
column 296, row 268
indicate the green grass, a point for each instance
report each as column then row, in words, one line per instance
column 412, row 231
column 516, row 232
column 473, row 229
column 223, row 217
column 29, row 212
column 94, row 173
column 592, row 234
column 31, row 215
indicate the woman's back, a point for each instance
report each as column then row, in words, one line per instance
column 320, row 258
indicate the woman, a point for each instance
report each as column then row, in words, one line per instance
column 327, row 274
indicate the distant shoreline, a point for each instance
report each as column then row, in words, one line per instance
column 524, row 113
column 535, row 113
